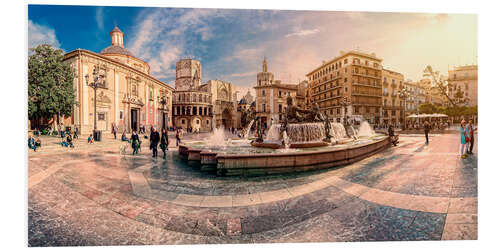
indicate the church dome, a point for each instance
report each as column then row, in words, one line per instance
column 115, row 49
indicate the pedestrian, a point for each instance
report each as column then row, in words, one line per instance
column 76, row 132
column 471, row 135
column 427, row 128
column 164, row 142
column 90, row 139
column 136, row 143
column 464, row 139
column 154, row 138
column 38, row 142
column 391, row 135
column 31, row 143
column 113, row 129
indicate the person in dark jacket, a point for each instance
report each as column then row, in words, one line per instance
column 154, row 140
column 136, row 143
column 69, row 140
column 471, row 132
column 164, row 142
column 427, row 128
column 391, row 135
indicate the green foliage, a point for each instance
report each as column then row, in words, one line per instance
column 50, row 83
column 427, row 108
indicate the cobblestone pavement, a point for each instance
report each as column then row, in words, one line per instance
column 93, row 195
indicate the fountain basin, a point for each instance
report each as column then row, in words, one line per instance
column 271, row 161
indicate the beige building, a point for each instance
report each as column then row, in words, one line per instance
column 463, row 79
column 202, row 107
column 192, row 104
column 271, row 95
column 392, row 108
column 353, row 78
column 129, row 97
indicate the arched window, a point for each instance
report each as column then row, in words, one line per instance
column 183, row 110
column 200, row 98
column 194, row 110
column 178, row 110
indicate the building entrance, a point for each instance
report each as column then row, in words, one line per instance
column 134, row 119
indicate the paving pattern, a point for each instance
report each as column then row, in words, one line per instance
column 95, row 196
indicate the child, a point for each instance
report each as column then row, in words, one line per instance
column 90, row 139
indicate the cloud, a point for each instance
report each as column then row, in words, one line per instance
column 39, row 34
column 164, row 35
column 245, row 74
column 303, row 33
column 99, row 18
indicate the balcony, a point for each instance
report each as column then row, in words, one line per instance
column 393, row 85
column 362, row 93
column 366, row 85
column 386, row 83
column 394, row 94
column 386, row 94
column 366, row 66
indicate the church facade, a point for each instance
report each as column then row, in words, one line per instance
column 129, row 96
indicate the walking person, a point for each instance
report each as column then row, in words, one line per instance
column 464, row 139
column 471, row 136
column 164, row 142
column 76, row 132
column 154, row 139
column 136, row 143
column 113, row 129
column 427, row 128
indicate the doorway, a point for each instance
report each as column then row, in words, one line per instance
column 133, row 119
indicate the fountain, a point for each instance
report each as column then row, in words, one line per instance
column 305, row 140
column 365, row 130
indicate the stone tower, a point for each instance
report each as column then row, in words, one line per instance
column 264, row 77
column 187, row 74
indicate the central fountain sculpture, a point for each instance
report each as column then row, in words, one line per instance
column 305, row 140
column 302, row 128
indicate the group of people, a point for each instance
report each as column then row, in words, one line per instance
column 466, row 138
column 155, row 138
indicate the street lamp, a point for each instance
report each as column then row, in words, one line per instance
column 163, row 101
column 404, row 93
column 98, row 82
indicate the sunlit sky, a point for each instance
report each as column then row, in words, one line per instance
column 231, row 44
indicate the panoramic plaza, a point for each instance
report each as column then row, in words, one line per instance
column 93, row 195
column 201, row 126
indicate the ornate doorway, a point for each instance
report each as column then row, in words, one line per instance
column 134, row 115
column 227, row 119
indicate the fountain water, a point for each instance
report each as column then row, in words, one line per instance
column 249, row 127
column 217, row 138
column 365, row 130
column 273, row 134
column 286, row 140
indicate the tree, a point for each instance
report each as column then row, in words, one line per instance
column 427, row 108
column 50, row 84
column 443, row 86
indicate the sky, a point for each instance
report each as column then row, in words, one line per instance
column 231, row 44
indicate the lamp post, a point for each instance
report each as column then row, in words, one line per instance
column 404, row 94
column 163, row 101
column 98, row 82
